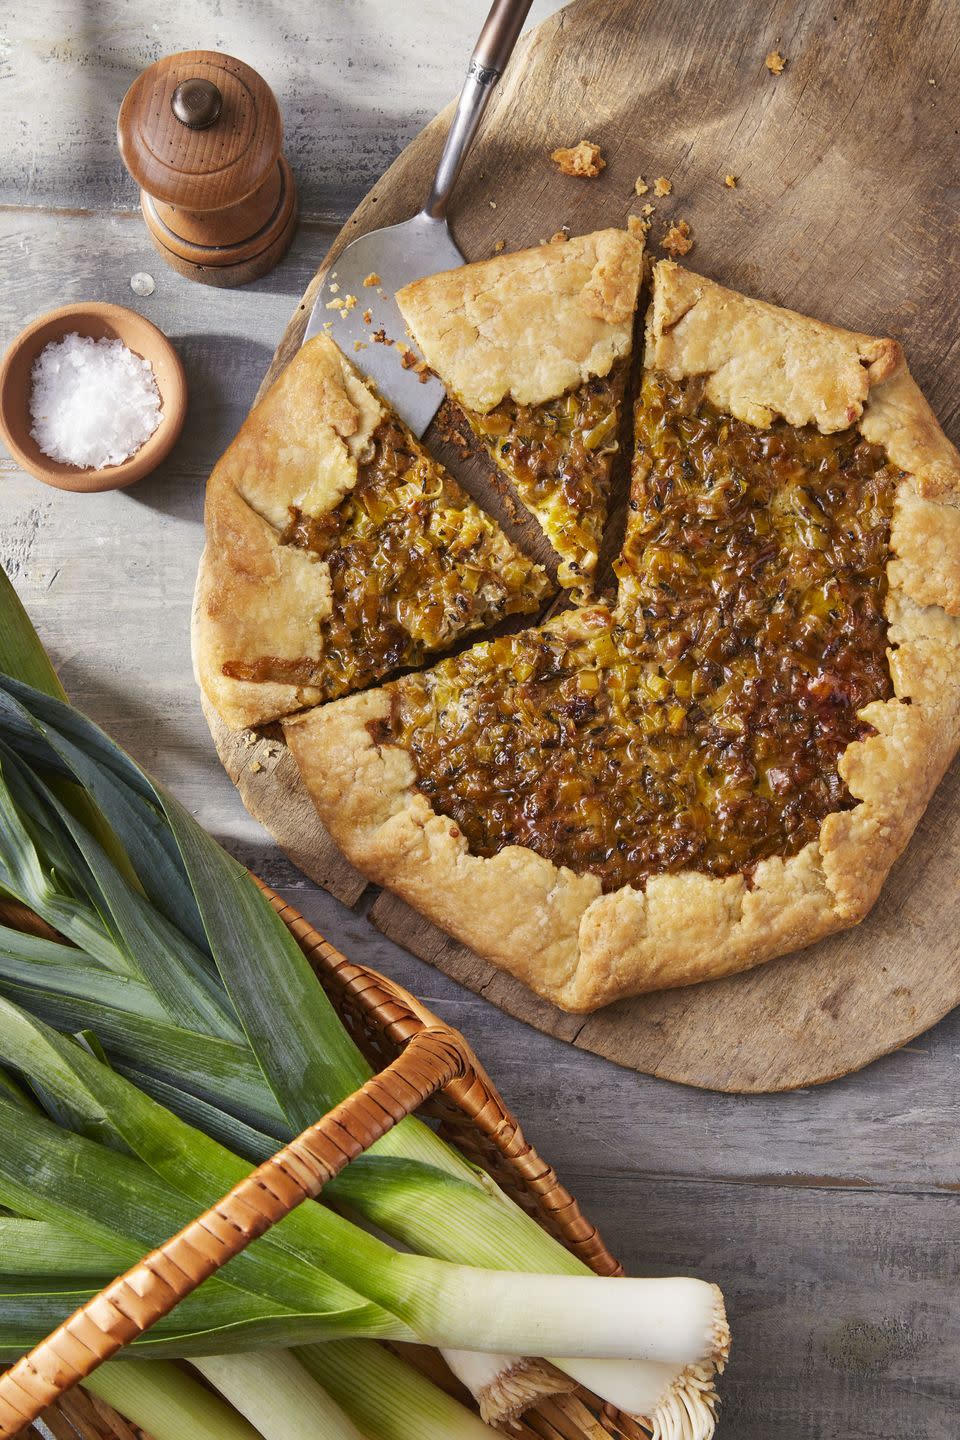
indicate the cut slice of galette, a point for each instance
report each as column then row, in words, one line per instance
column 534, row 348
column 723, row 767
column 337, row 550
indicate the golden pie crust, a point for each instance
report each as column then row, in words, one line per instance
column 554, row 929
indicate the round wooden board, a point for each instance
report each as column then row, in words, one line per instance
column 846, row 164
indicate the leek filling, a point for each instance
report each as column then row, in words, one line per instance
column 414, row 563
column 558, row 457
column 699, row 724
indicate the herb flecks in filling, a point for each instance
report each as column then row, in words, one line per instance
column 414, row 564
column 700, row 724
column 558, row 456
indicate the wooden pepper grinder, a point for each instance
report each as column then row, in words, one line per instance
column 200, row 132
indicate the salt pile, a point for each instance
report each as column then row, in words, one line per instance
column 93, row 402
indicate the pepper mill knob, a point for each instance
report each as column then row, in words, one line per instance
column 201, row 134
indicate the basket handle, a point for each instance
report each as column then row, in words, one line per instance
column 128, row 1306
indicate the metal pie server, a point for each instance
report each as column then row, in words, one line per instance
column 401, row 253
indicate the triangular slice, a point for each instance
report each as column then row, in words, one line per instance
column 534, row 349
column 337, row 550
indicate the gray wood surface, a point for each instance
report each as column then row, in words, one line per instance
column 832, row 1216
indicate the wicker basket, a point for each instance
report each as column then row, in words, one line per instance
column 422, row 1065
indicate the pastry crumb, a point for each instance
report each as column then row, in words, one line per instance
column 662, row 186
column 584, row 160
column 255, row 767
column 334, row 289
column 649, row 210
column 558, row 237
column 640, row 187
column 499, row 248
column 407, row 357
column 328, row 324
column 368, row 317
column 730, row 181
column 492, row 204
column 372, row 279
column 678, row 240
column 637, row 227
column 359, row 345
column 775, row 62
column 381, row 338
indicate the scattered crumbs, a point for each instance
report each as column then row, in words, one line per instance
column 640, row 187
column 407, row 357
column 334, row 305
column 730, row 181
column 584, row 160
column 775, row 62
column 931, row 81
column 499, row 248
column 678, row 240
column 372, row 279
column 348, row 303
column 255, row 767
column 249, row 737
column 637, row 227
column 359, row 345
column 334, row 289
column 422, row 370
column 648, row 210
column 368, row 317
column 144, row 284
column 380, row 337
column 492, row 204
column 558, row 237
column 328, row 324
column 662, row 186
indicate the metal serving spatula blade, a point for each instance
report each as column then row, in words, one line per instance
column 401, row 253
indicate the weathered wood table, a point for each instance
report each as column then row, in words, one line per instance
column 830, row 1217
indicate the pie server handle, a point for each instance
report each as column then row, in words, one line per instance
column 487, row 63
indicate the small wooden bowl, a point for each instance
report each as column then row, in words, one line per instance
column 111, row 322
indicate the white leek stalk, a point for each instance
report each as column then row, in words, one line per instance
column 387, row 1398
column 277, row 1395
column 505, row 1385
column 167, row 1402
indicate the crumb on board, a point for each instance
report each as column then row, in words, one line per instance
column 583, row 160
column 368, row 317
column 380, row 337
column 640, row 186
column 662, row 186
column 499, row 248
column 678, row 240
column 359, row 345
column 775, row 62
column 648, row 210
column 255, row 767
column 637, row 227
column 492, row 204
column 328, row 324
column 334, row 289
column 558, row 237
column 730, row 181
column 372, row 279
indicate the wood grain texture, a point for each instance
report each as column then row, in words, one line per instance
column 831, row 1214
column 815, row 221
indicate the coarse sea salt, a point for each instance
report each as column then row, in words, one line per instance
column 93, row 403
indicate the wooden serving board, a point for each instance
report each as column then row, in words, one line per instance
column 845, row 208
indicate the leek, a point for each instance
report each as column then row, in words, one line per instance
column 386, row 1398
column 272, row 1390
column 252, row 1084
column 168, row 1403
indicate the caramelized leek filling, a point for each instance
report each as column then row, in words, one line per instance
column 700, row 724
column 558, row 457
column 414, row 563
